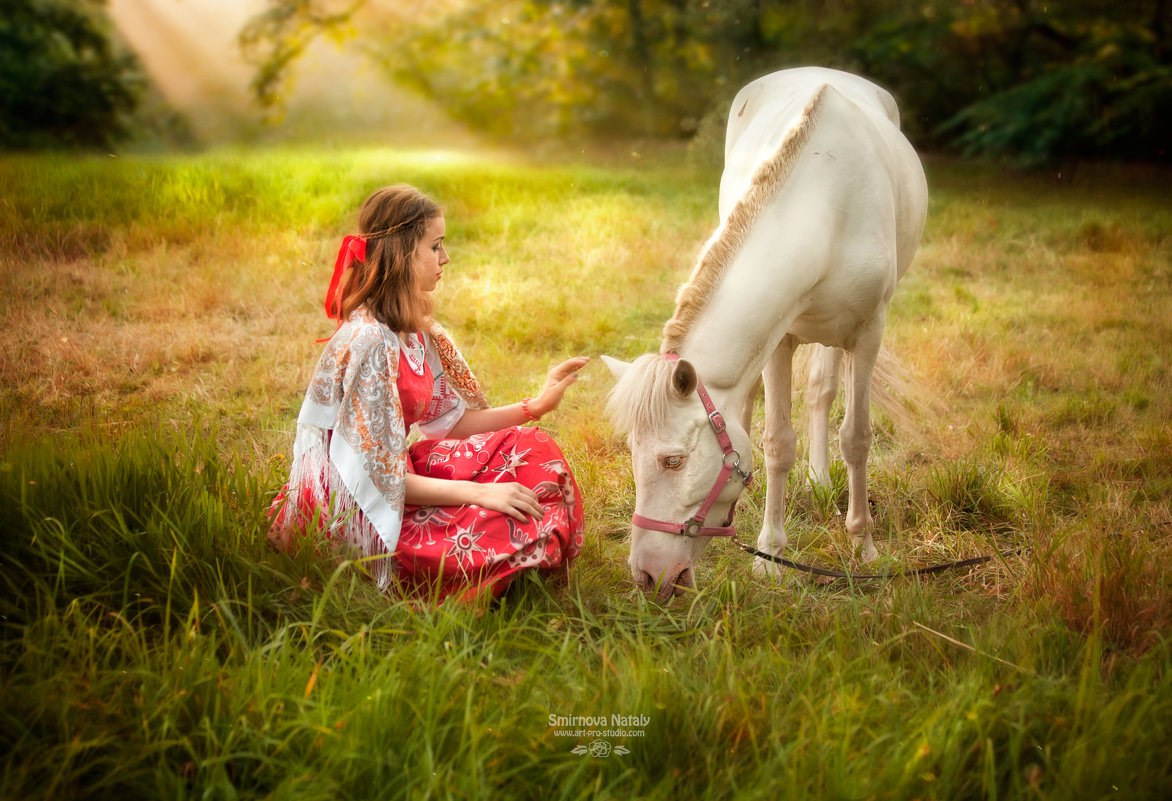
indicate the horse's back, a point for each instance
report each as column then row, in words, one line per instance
column 765, row 112
column 855, row 125
column 783, row 95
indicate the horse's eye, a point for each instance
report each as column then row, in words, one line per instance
column 672, row 462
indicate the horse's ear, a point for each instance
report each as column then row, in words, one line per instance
column 617, row 368
column 683, row 378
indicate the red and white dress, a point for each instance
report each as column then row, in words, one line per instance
column 351, row 456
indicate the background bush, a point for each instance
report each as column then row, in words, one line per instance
column 63, row 81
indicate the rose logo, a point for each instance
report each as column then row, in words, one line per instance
column 600, row 749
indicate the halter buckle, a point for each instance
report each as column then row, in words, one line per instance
column 692, row 528
column 716, row 420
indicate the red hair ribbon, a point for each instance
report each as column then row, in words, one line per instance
column 353, row 249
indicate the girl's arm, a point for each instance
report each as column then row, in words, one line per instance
column 480, row 421
column 515, row 500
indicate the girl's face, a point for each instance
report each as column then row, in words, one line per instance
column 430, row 256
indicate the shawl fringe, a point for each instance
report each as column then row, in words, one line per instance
column 316, row 504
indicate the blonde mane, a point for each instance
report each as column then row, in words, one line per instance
column 767, row 181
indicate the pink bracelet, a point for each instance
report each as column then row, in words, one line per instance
column 525, row 409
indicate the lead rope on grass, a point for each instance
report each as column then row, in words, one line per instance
column 919, row 571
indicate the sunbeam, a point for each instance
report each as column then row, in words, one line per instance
column 189, row 49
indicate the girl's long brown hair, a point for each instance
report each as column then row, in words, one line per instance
column 392, row 221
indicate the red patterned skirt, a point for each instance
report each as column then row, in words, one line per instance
column 468, row 550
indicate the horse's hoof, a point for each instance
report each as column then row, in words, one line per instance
column 763, row 567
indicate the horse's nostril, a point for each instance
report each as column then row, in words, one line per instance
column 683, row 581
column 646, row 581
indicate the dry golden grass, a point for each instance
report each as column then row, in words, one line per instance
column 121, row 335
column 1045, row 313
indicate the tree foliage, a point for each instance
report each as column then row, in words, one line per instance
column 530, row 69
column 1034, row 81
column 1025, row 78
column 62, row 79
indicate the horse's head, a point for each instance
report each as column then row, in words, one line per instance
column 687, row 463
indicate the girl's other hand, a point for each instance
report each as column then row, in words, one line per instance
column 515, row 500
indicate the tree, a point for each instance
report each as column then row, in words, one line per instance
column 62, row 80
column 1030, row 79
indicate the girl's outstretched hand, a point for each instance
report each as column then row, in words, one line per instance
column 556, row 383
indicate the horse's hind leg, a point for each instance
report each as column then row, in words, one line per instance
column 855, row 436
column 823, row 386
column 780, row 451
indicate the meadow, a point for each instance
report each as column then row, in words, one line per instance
column 161, row 314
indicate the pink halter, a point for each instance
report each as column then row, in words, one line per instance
column 695, row 527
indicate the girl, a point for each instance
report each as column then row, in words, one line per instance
column 480, row 496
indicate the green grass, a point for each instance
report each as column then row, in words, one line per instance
column 161, row 316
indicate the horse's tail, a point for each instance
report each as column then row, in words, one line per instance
column 904, row 397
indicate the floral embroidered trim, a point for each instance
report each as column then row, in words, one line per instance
column 457, row 369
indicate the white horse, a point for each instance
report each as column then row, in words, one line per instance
column 822, row 205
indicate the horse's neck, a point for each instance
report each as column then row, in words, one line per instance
column 764, row 290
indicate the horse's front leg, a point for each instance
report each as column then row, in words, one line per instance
column 855, row 436
column 747, row 409
column 780, row 452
